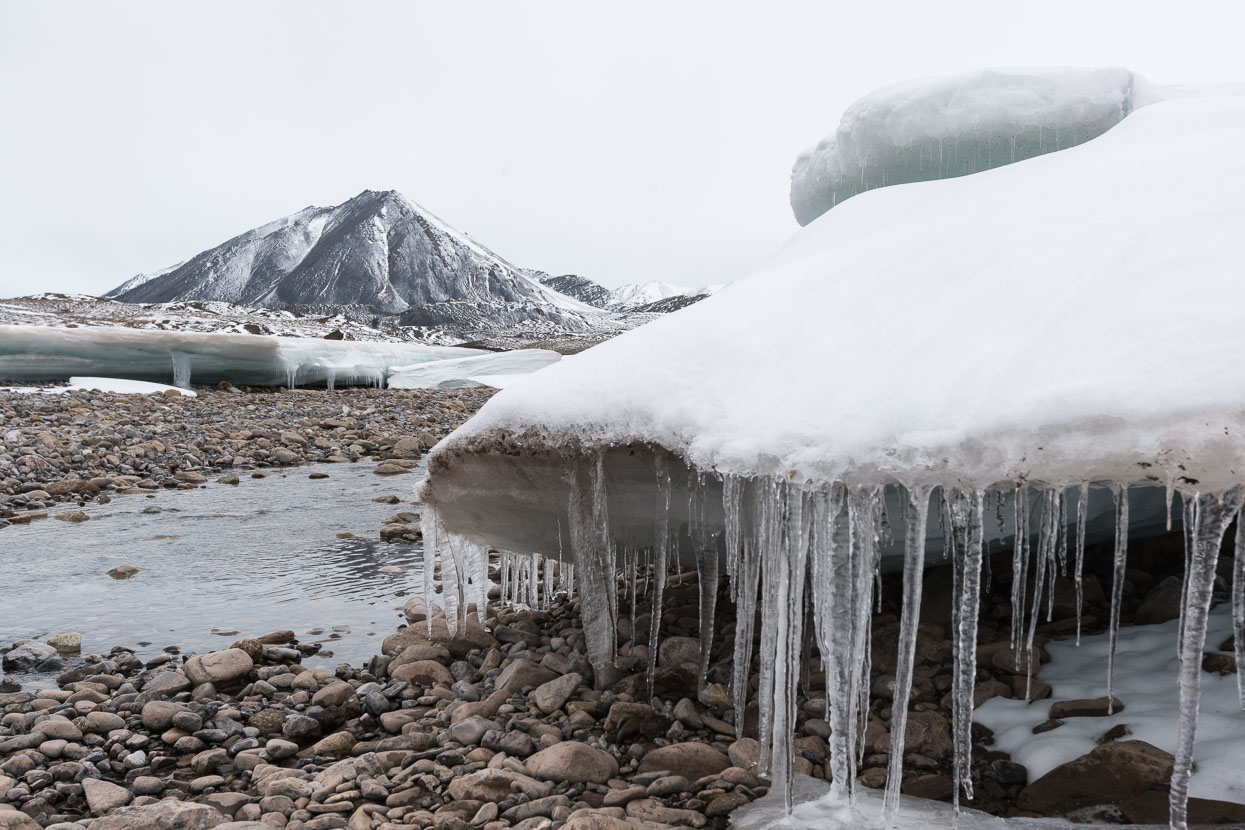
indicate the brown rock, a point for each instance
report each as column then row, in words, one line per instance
column 573, row 761
column 690, row 759
column 1108, row 774
column 424, row 672
column 1153, row 808
column 1084, row 708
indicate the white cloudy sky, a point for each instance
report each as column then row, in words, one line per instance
column 626, row 142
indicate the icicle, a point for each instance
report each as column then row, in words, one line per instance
column 1020, row 568
column 181, row 370
column 1214, row 513
column 1082, row 507
column 913, row 576
column 1117, row 583
column 661, row 542
column 706, row 552
column 431, row 529
column 1045, row 558
column 1238, row 609
column 782, row 630
column 743, row 589
column 547, row 581
column 967, row 522
column 589, row 527
column 1189, row 508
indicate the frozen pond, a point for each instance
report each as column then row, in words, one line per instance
column 253, row 558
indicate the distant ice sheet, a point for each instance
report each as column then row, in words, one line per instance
column 36, row 353
column 495, row 369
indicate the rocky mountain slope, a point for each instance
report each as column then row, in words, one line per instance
column 652, row 297
column 377, row 253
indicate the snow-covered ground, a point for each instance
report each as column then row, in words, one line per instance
column 1146, row 665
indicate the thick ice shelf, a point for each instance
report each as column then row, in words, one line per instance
column 1072, row 317
column 38, row 353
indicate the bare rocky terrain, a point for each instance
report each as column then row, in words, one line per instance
column 87, row 445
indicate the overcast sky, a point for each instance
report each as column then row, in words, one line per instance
column 623, row 141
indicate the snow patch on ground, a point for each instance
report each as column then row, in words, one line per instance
column 1146, row 669
column 116, row 386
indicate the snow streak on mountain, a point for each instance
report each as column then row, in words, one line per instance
column 649, row 297
column 379, row 253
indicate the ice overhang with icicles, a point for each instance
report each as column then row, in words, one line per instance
column 1055, row 342
column 38, row 353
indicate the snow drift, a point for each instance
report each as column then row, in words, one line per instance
column 1027, row 342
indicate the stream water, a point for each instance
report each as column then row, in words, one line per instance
column 218, row 563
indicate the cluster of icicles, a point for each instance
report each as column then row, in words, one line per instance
column 799, row 548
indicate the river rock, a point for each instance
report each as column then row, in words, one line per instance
column 1106, row 775
column 69, row 642
column 12, row 819
column 692, row 760
column 218, row 667
column 102, row 796
column 492, row 785
column 31, row 655
column 572, row 761
column 552, row 696
column 163, row 815
column 389, row 469
column 123, row 572
column 1084, row 708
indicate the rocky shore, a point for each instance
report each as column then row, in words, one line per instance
column 505, row 726
column 77, row 446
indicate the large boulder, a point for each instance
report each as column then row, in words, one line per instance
column 691, row 759
column 1108, row 774
column 163, row 815
column 220, row 668
column 572, row 761
column 32, row 655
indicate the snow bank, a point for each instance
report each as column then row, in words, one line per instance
column 965, row 123
column 922, row 356
column 501, row 368
column 965, row 331
column 38, row 353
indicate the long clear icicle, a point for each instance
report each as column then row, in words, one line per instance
column 661, row 546
column 744, row 563
column 1214, row 513
column 913, row 577
column 706, row 551
column 1082, row 507
column 1048, row 528
column 431, row 528
column 1119, row 562
column 967, row 523
column 1238, row 610
column 1020, row 568
column 595, row 566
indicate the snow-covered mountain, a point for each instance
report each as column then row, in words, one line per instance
column 657, row 297
column 379, row 253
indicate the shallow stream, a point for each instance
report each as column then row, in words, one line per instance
column 218, row 563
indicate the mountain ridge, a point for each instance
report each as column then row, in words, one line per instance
column 378, row 252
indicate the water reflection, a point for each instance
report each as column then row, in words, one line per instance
column 253, row 558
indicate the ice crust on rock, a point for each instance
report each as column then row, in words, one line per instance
column 1052, row 343
column 39, row 353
